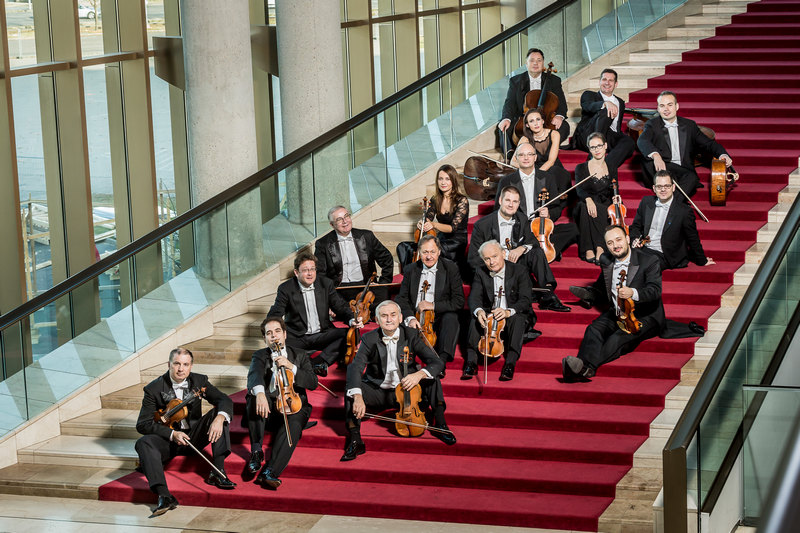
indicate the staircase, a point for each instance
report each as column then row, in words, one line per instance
column 532, row 452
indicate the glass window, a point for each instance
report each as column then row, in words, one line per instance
column 21, row 41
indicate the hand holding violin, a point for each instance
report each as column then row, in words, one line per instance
column 516, row 253
column 412, row 380
column 625, row 292
column 426, row 227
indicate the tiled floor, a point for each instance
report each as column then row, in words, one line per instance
column 23, row 514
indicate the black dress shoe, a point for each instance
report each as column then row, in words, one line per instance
column 573, row 370
column 165, row 503
column 268, row 480
column 552, row 303
column 530, row 335
column 508, row 372
column 256, row 458
column 321, row 369
column 696, row 328
column 219, row 481
column 586, row 294
column 470, row 369
column 310, row 424
column 447, row 438
column 443, row 373
column 354, row 448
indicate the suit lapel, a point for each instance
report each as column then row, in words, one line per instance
column 361, row 248
column 319, row 298
column 649, row 211
column 683, row 137
column 608, row 274
column 633, row 269
column 438, row 290
column 300, row 303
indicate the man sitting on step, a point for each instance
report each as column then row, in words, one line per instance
column 161, row 442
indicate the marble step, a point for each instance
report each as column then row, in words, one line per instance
column 704, row 20
column 744, row 276
column 626, row 83
column 66, row 481
column 224, row 376
column 130, row 398
column 699, row 31
column 678, row 397
column 244, row 325
column 720, row 319
column 222, row 350
column 675, row 43
column 733, row 296
column 663, row 56
column 664, row 423
column 767, row 233
column 649, row 453
column 103, row 423
column 640, row 483
column 627, row 516
column 76, row 450
column 729, row 8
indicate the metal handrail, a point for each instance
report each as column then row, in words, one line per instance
column 269, row 172
column 674, row 453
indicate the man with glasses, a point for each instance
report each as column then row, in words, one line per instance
column 303, row 302
column 670, row 226
column 602, row 111
column 348, row 256
column 670, row 142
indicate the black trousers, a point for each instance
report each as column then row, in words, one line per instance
column 513, row 334
column 537, row 265
column 377, row 399
column 509, row 144
column 447, row 328
column 620, row 146
column 155, row 451
column 603, row 341
column 281, row 452
column 685, row 177
column 662, row 259
column 331, row 341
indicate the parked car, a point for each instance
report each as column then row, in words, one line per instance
column 86, row 12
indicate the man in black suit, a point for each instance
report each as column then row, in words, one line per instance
column 160, row 443
column 377, row 370
column 530, row 182
column 444, row 295
column 303, row 301
column 601, row 111
column 519, row 86
column 261, row 399
column 348, row 256
column 670, row 227
column 514, row 307
column 509, row 226
column 670, row 142
column 603, row 340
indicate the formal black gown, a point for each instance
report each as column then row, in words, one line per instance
column 599, row 189
column 454, row 244
column 543, row 154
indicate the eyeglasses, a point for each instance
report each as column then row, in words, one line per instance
column 307, row 270
column 662, row 187
column 595, row 147
column 341, row 220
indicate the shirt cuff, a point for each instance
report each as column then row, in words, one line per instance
column 511, row 312
column 562, row 116
column 425, row 370
column 226, row 415
column 527, row 248
column 257, row 389
column 407, row 319
column 651, row 155
column 352, row 392
column 635, row 296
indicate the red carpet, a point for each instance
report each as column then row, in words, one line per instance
column 535, row 452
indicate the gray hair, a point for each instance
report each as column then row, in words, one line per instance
column 490, row 242
column 332, row 210
column 384, row 304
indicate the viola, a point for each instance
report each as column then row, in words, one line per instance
column 626, row 320
column 617, row 212
column 176, row 410
column 481, row 177
column 418, row 233
column 360, row 307
column 542, row 228
column 490, row 344
column 426, row 318
column 543, row 98
column 409, row 411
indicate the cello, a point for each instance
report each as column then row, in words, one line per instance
column 617, row 211
column 409, row 412
column 542, row 228
column 543, row 98
column 418, row 233
column 481, row 176
column 626, row 320
column 288, row 401
column 722, row 181
column 426, row 318
column 360, row 307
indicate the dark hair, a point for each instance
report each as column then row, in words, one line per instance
column 614, row 226
column 534, row 50
column 595, row 135
column 526, row 131
column 455, row 193
column 428, row 237
column 668, row 93
column 269, row 319
column 661, row 174
column 609, row 71
column 302, row 257
column 510, row 188
column 179, row 351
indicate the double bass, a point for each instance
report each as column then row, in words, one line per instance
column 410, row 420
column 542, row 228
column 360, row 307
column 543, row 98
column 626, row 320
column 481, row 176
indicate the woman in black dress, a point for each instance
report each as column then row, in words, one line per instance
column 546, row 142
column 595, row 195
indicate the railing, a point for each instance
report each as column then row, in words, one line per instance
column 709, row 435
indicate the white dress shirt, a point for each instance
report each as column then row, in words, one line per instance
column 273, row 355
column 529, row 190
column 351, row 266
column 657, row 224
column 614, row 100
column 180, row 389
column 312, row 316
column 618, row 267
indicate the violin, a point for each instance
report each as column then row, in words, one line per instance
column 543, row 98
column 617, row 212
column 626, row 320
column 722, row 181
column 426, row 318
column 360, row 307
column 409, row 411
column 481, row 177
column 288, row 401
column 176, row 410
column 543, row 227
column 490, row 344
column 641, row 242
column 418, row 232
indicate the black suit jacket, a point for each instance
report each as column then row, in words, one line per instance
column 488, row 228
column 655, row 138
column 550, row 183
column 591, row 104
column 516, row 288
column 369, row 362
column 448, row 290
column 644, row 275
column 370, row 252
column 159, row 392
column 290, row 305
column 520, row 85
column 679, row 239
column 260, row 372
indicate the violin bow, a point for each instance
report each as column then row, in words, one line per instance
column 342, row 287
column 217, row 470
column 490, row 159
column 558, row 197
column 423, row 426
column 690, row 201
column 282, row 392
column 327, row 389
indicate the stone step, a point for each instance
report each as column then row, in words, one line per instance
column 130, row 398
column 645, row 69
column 729, row 8
column 245, row 325
column 103, row 423
column 720, row 319
column 664, row 423
column 674, row 43
column 678, row 397
column 705, row 20
column 640, row 483
column 788, row 194
column 706, row 345
column 226, row 377
column 756, row 252
column 767, row 232
column 649, row 453
column 66, row 481
column 733, row 296
column 626, row 83
column 779, row 212
column 744, row 276
column 223, row 350
column 76, row 450
column 627, row 516
column 698, row 31
column 663, row 56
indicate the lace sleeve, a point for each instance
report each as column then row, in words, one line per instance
column 430, row 213
column 461, row 215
